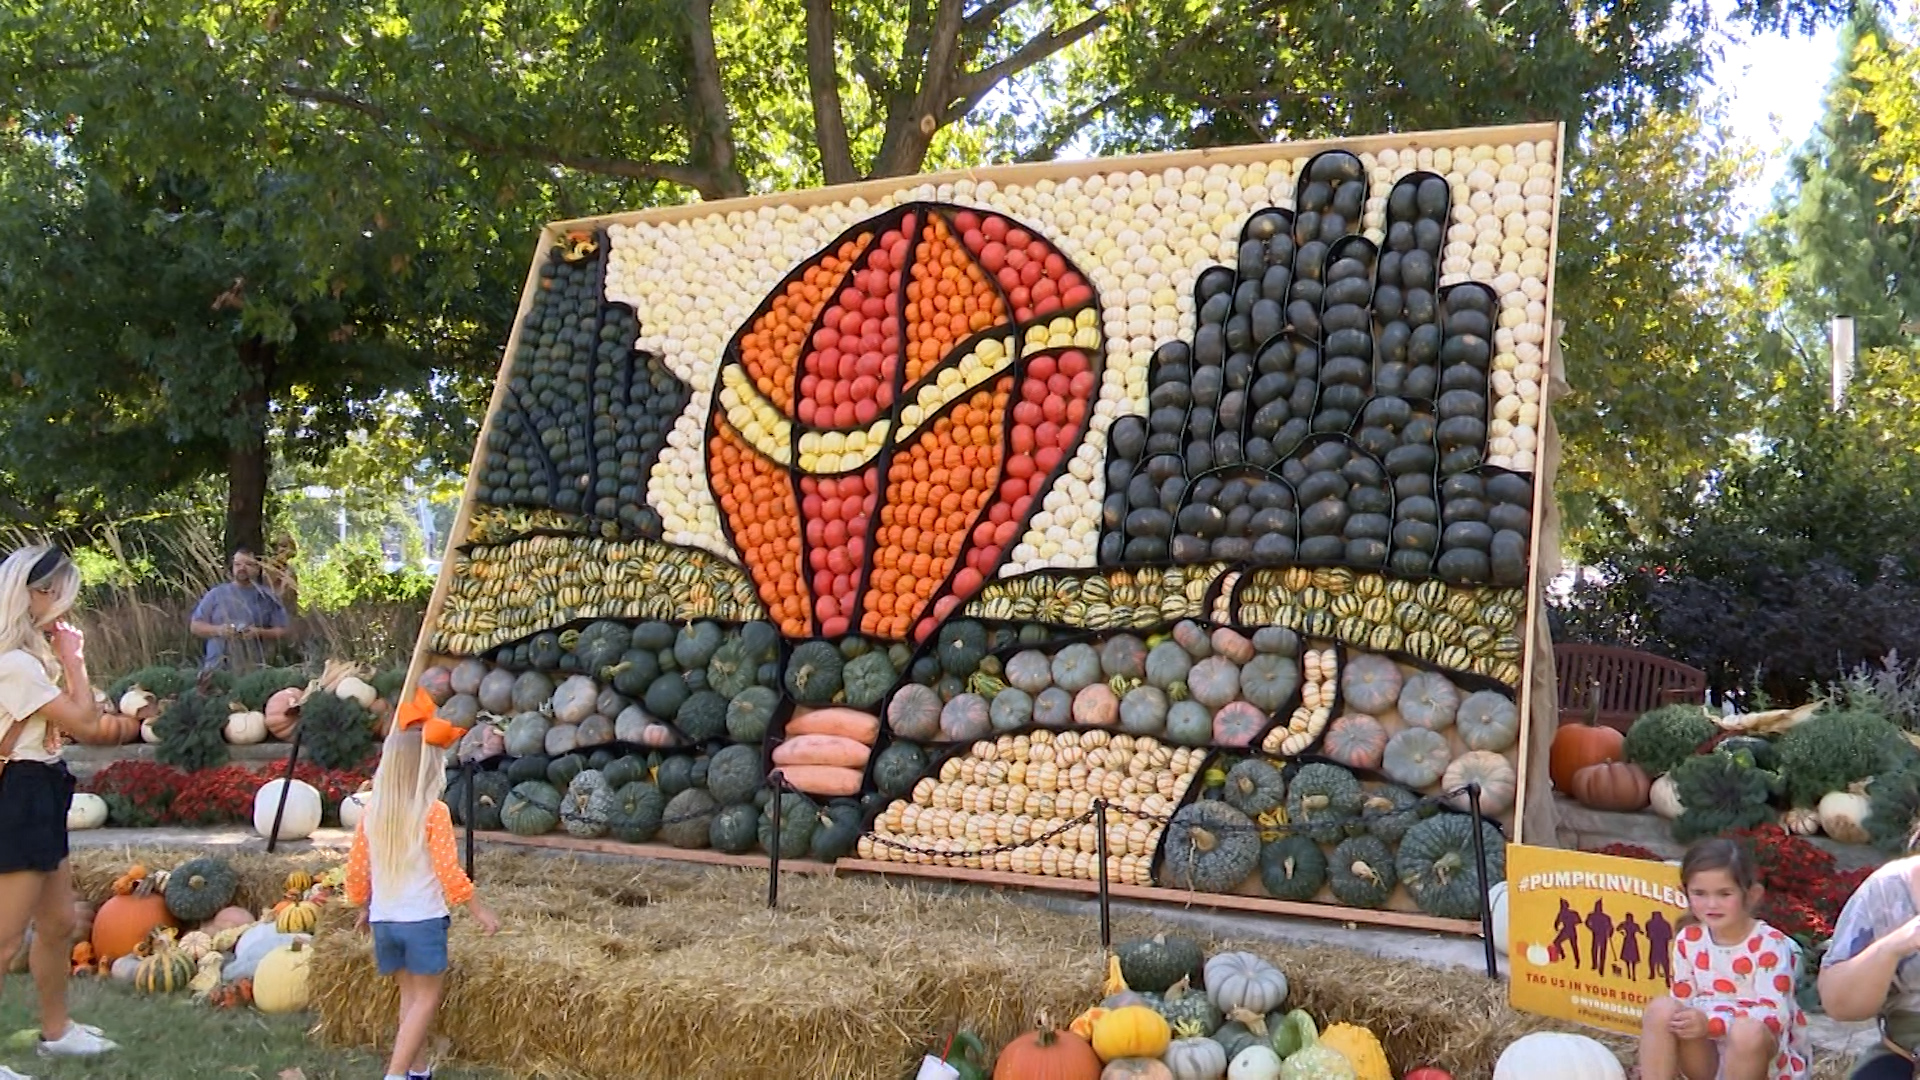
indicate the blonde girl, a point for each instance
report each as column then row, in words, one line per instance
column 1731, row 1013
column 44, row 692
column 404, row 874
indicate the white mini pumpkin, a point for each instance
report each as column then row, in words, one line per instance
column 1843, row 816
column 1562, row 1056
column 1196, row 1059
column 246, row 728
column 353, row 808
column 356, row 689
column 1497, row 904
column 302, row 814
column 147, row 734
column 1665, row 798
column 1255, row 1063
column 86, row 811
column 1241, row 980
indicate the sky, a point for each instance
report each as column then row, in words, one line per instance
column 1772, row 85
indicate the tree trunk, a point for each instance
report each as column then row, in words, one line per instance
column 247, row 458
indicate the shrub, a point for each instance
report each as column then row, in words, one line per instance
column 1832, row 750
column 1667, row 736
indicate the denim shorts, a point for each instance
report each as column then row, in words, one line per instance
column 418, row 948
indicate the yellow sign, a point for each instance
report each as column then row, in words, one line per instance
column 1589, row 935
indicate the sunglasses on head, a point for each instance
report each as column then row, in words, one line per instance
column 50, row 563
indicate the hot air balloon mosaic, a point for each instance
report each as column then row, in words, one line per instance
column 1201, row 487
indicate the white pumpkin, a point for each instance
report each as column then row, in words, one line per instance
column 135, row 703
column 1801, row 821
column 86, row 811
column 356, row 689
column 353, row 808
column 1497, row 904
column 246, row 728
column 1666, row 798
column 302, row 814
column 1843, row 816
column 1255, row 1063
column 1196, row 1059
column 147, row 734
column 124, row 969
column 1564, row 1057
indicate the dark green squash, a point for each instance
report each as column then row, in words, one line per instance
column 702, row 717
column 653, row 636
column 696, row 643
column 750, row 715
column 837, row 834
column 622, row 771
column 587, row 806
column 531, row 767
column 733, row 829
column 1187, row 1007
column 1321, row 801
column 867, row 678
column 675, row 776
column 562, row 770
column 799, row 816
column 532, row 809
column 635, row 672
column 732, row 670
column 961, row 646
column 490, row 790
column 1388, row 810
column 1255, row 787
column 734, row 774
column 1759, row 750
column 814, row 673
column 1209, row 847
column 1361, row 872
column 688, row 819
column 1436, row 863
column 637, row 810
column 1293, row 868
column 898, row 768
column 599, row 759
column 199, row 888
column 666, row 694
column 1152, row 965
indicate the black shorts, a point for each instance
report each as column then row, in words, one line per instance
column 1882, row 1065
column 33, row 815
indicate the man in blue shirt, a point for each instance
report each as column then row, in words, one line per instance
column 239, row 617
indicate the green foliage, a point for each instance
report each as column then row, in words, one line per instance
column 1721, row 795
column 159, row 680
column 192, row 732
column 335, row 732
column 1894, row 798
column 1832, row 750
column 356, row 572
column 1890, row 688
column 1663, row 738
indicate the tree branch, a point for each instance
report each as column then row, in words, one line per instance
column 984, row 16
column 912, row 122
column 1063, row 132
column 712, row 123
column 974, row 86
column 823, row 83
column 706, row 183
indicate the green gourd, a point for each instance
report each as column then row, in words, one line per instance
column 199, row 888
column 1437, row 865
column 837, row 834
column 1187, row 1009
column 733, row 829
column 1209, row 847
column 814, row 673
column 734, row 774
column 1293, row 868
column 1361, row 872
column 1303, row 1058
column 898, row 768
column 751, row 713
column 1153, row 965
column 1255, row 787
column 636, row 813
column 1321, row 801
column 689, row 818
column 798, row 818
column 532, row 809
column 867, row 679
column 960, row 647
column 587, row 806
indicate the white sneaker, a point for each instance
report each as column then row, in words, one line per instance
column 9, row 1074
column 81, row 1040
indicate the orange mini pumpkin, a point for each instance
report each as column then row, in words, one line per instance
column 1083, row 1024
column 1612, row 785
column 1047, row 1053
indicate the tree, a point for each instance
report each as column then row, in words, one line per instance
column 384, row 157
column 1886, row 87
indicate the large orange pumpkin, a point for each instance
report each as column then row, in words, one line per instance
column 1612, row 785
column 123, row 922
column 1048, row 1054
column 283, row 712
column 1579, row 745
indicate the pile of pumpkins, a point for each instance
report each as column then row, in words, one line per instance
column 302, row 816
column 1172, row 1013
column 166, row 932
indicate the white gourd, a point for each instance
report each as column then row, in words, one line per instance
column 1665, row 798
column 1843, row 816
column 1502, row 930
column 1561, row 1056
column 1255, row 1063
column 302, row 814
column 86, row 811
column 356, row 689
column 246, row 728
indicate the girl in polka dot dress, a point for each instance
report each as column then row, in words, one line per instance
column 1731, row 1014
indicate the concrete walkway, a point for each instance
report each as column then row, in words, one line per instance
column 1436, row 950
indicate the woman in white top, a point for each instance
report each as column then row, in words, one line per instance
column 44, row 691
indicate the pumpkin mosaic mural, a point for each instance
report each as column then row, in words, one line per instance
column 1202, row 487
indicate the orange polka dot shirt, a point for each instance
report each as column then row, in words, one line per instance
column 1749, row 980
column 427, row 892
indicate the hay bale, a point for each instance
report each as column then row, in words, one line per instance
column 262, row 877
column 623, row 971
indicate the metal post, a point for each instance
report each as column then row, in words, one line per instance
column 286, row 785
column 779, row 784
column 1100, row 854
column 1486, row 904
column 471, row 769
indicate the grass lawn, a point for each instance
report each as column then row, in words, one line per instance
column 174, row 1037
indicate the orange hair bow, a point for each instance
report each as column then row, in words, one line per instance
column 421, row 711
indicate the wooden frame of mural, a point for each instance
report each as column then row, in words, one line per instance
column 1200, row 485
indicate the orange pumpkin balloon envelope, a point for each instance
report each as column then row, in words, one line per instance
column 888, row 419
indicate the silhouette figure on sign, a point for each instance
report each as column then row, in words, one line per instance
column 1600, row 927
column 1568, row 925
column 1659, row 941
column 1630, row 945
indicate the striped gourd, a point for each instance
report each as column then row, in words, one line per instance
column 297, row 918
column 167, row 970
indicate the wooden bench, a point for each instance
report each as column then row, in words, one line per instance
column 1615, row 686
